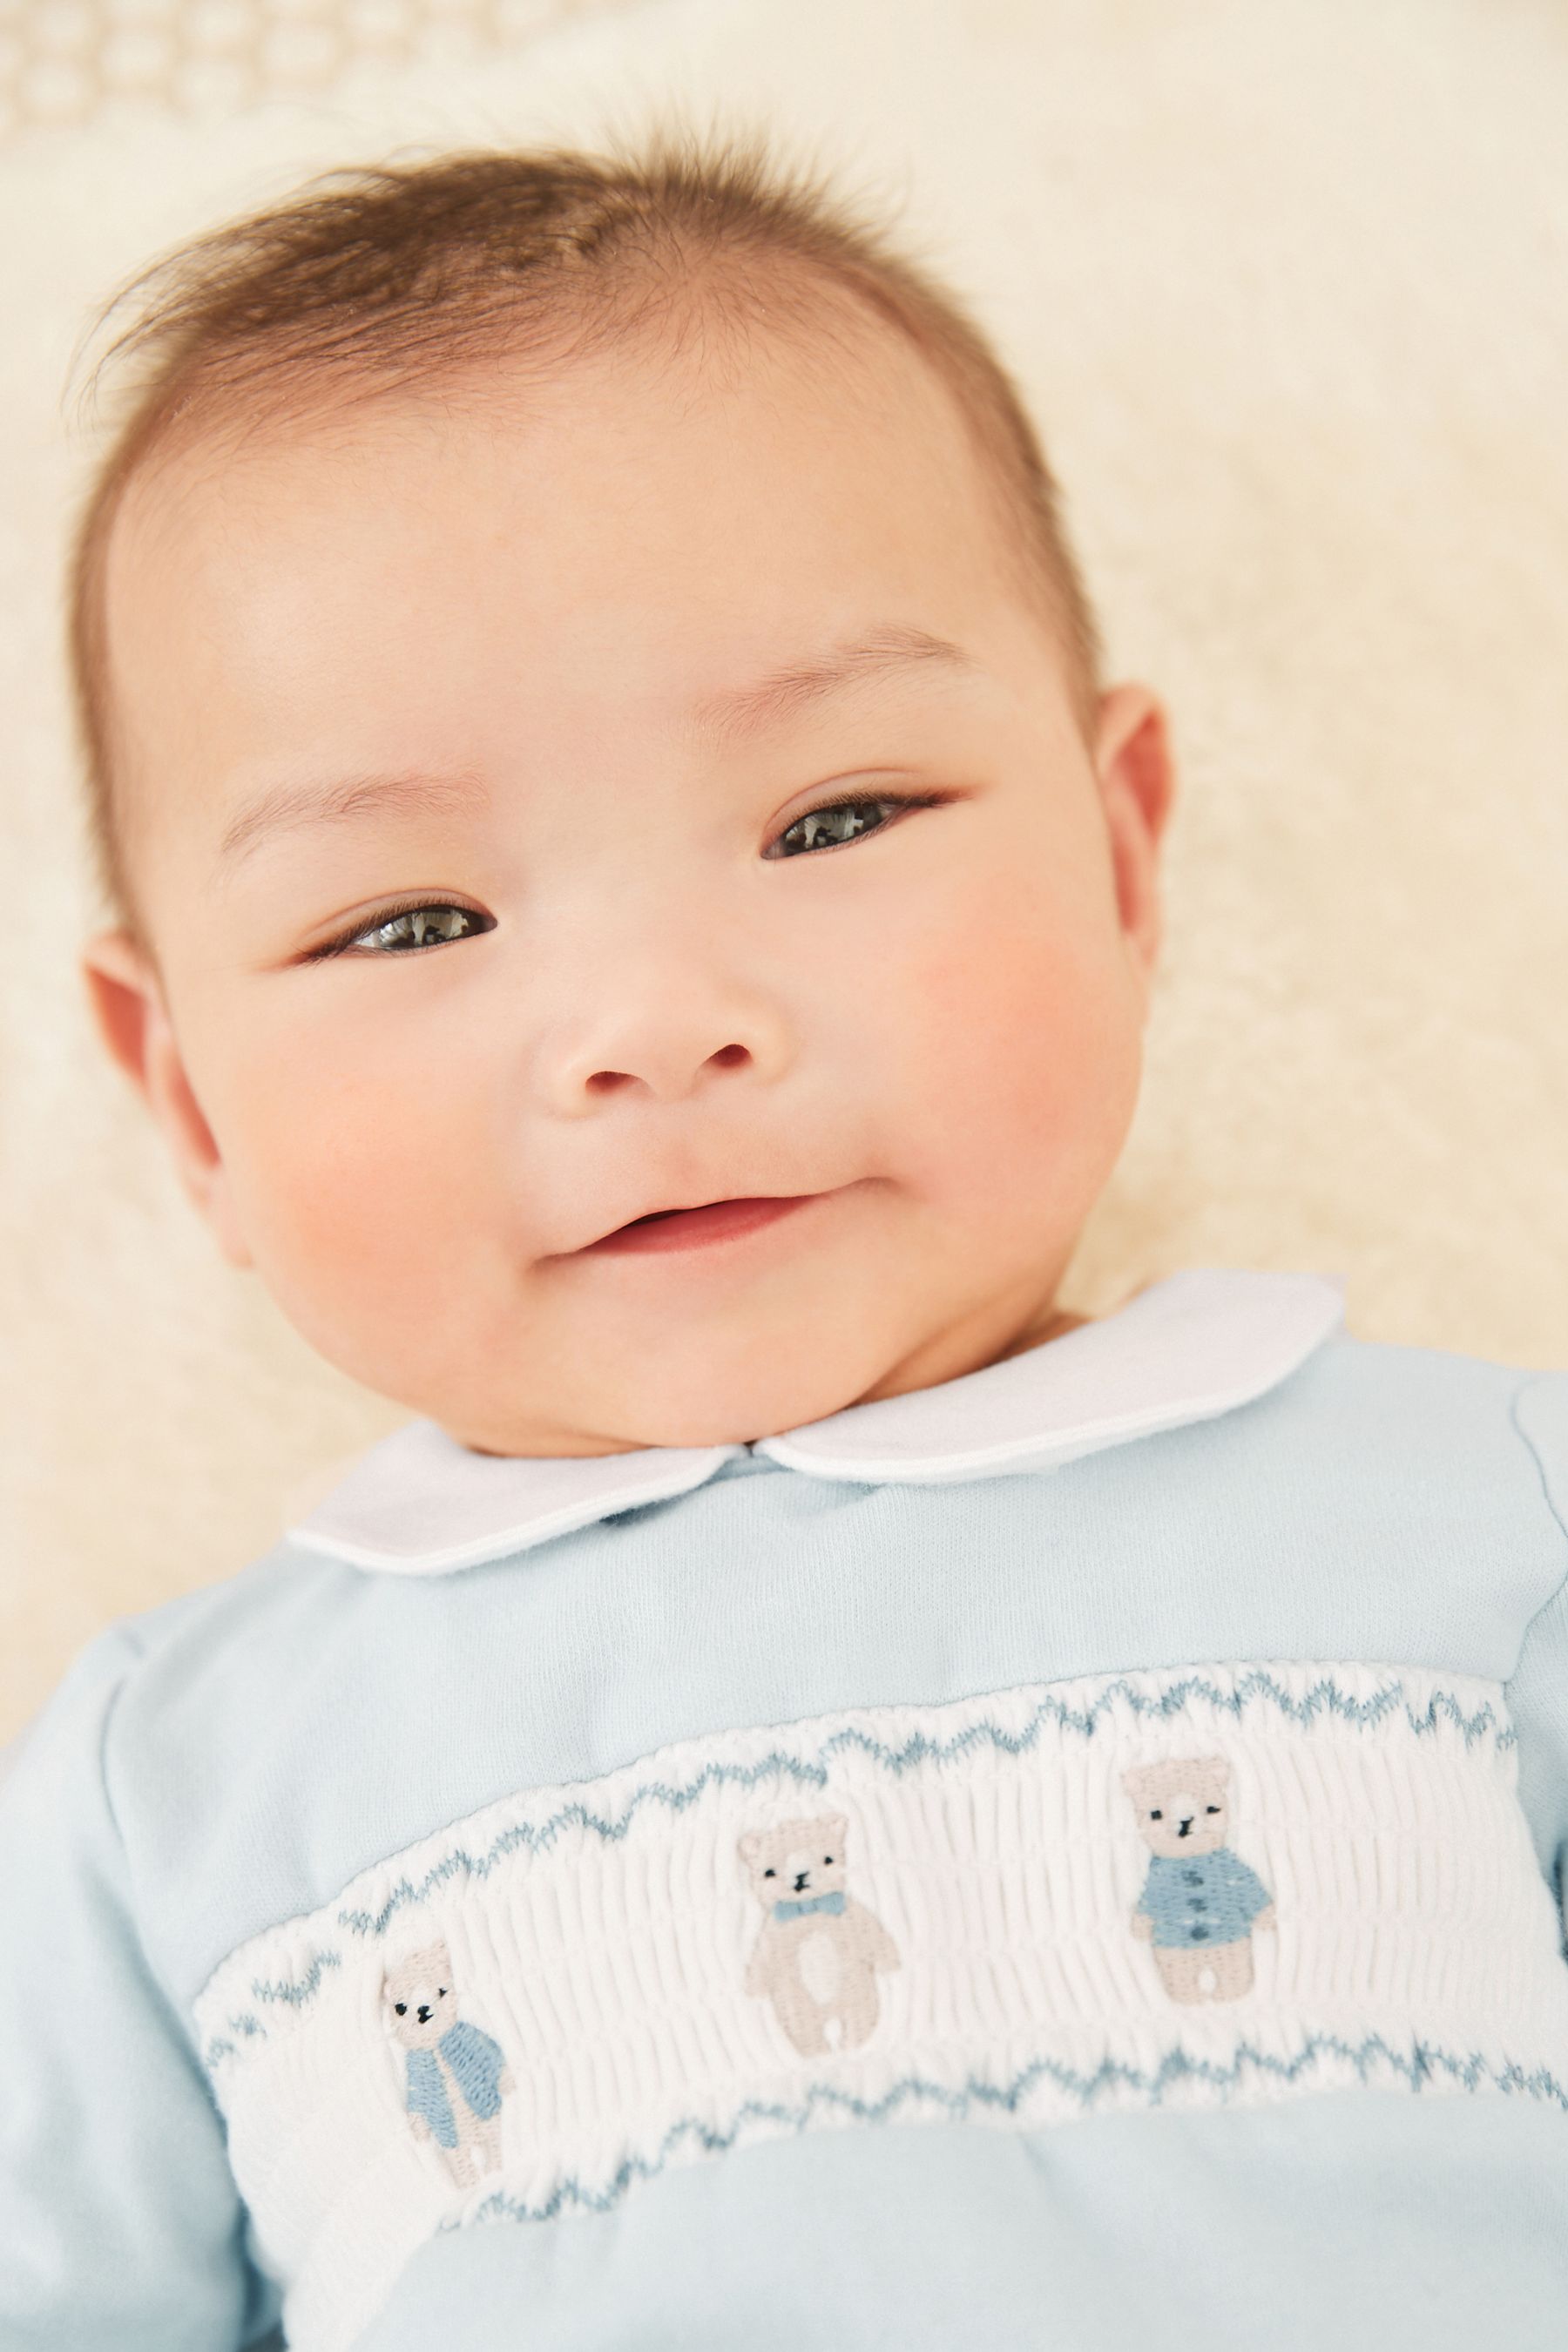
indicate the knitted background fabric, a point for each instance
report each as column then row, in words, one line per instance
column 1285, row 288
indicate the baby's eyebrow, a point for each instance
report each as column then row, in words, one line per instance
column 739, row 712
column 285, row 808
column 729, row 717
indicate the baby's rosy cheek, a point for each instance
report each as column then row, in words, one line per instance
column 1035, row 1034
column 343, row 1181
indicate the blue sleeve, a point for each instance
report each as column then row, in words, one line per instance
column 1536, row 1691
column 120, row 2226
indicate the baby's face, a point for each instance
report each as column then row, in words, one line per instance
column 494, row 666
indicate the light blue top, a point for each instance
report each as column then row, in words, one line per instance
column 230, row 1761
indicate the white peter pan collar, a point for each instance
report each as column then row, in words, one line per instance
column 1189, row 1347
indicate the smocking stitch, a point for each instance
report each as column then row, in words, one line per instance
column 919, row 1749
column 1421, row 2064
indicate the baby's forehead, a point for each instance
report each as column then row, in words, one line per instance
column 865, row 405
column 266, row 563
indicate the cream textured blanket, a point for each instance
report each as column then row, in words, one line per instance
column 1285, row 284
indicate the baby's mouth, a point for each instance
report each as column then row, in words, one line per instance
column 686, row 1229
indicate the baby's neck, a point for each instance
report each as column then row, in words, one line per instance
column 1057, row 1326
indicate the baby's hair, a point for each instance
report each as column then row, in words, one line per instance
column 412, row 276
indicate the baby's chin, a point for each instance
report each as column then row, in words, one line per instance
column 736, row 1410
column 764, row 1388
column 724, row 1386
column 688, row 1363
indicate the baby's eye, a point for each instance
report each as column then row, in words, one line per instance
column 403, row 930
column 1156, row 1815
column 837, row 822
column 401, row 2009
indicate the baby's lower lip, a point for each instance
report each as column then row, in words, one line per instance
column 687, row 1229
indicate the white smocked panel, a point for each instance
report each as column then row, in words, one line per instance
column 893, row 1916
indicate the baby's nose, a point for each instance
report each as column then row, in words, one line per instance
column 424, row 2011
column 802, row 1878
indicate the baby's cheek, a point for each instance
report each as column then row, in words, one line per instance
column 358, row 1186
column 1026, row 1037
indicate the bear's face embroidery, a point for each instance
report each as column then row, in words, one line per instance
column 416, row 1997
column 797, row 1861
column 1183, row 1804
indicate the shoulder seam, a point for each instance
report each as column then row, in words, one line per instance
column 135, row 1655
column 1525, row 1439
column 1519, row 1386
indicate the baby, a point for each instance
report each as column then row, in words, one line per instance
column 809, row 1796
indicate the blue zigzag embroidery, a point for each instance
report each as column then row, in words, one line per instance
column 296, row 1995
column 1323, row 1697
column 1419, row 2066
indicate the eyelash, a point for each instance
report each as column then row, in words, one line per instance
column 343, row 944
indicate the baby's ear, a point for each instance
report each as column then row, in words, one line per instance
column 125, row 993
column 750, row 1846
column 1136, row 778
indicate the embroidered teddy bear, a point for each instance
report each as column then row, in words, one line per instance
column 1200, row 1902
column 819, row 1953
column 456, row 2075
